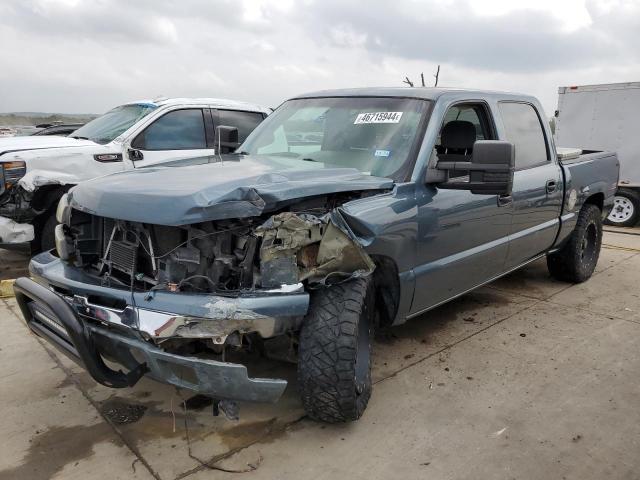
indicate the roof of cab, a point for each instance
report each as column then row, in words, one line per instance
column 425, row 93
column 212, row 102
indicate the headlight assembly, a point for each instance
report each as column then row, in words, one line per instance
column 63, row 212
column 64, row 246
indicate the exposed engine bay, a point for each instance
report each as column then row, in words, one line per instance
column 16, row 209
column 299, row 245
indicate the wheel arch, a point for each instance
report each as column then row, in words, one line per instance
column 48, row 196
column 596, row 199
column 387, row 289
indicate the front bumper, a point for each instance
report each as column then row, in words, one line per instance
column 12, row 232
column 88, row 332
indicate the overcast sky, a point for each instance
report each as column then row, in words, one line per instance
column 90, row 55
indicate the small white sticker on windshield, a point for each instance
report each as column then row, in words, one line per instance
column 378, row 117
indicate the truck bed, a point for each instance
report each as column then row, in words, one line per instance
column 569, row 156
column 592, row 175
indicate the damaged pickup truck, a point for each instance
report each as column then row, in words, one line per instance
column 35, row 171
column 342, row 212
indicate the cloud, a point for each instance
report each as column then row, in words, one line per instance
column 89, row 55
column 147, row 21
column 450, row 32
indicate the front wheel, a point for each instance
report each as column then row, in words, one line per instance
column 334, row 354
column 626, row 209
column 576, row 261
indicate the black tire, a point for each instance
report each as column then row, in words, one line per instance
column 626, row 209
column 334, row 354
column 576, row 261
column 44, row 227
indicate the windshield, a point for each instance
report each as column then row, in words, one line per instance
column 108, row 126
column 373, row 135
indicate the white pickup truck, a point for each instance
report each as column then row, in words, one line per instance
column 35, row 171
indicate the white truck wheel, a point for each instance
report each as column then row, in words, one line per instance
column 626, row 209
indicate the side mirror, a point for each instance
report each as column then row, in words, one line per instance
column 135, row 154
column 226, row 139
column 490, row 169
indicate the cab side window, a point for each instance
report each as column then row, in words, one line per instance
column 463, row 124
column 523, row 129
column 176, row 130
column 245, row 122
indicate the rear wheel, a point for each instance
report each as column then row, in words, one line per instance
column 577, row 260
column 626, row 209
column 334, row 355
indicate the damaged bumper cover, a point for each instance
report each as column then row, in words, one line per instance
column 13, row 232
column 130, row 335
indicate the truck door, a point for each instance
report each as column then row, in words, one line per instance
column 176, row 134
column 537, row 184
column 462, row 236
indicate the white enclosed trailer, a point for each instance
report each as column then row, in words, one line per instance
column 606, row 117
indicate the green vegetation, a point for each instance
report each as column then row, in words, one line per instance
column 35, row 118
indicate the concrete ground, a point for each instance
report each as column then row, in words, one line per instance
column 526, row 378
column 13, row 263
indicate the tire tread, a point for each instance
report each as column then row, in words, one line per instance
column 566, row 264
column 328, row 349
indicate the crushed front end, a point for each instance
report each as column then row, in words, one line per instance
column 176, row 302
column 16, row 210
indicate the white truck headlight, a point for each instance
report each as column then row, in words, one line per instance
column 63, row 212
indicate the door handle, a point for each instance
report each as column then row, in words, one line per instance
column 551, row 186
column 504, row 200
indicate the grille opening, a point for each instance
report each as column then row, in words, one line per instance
column 62, row 291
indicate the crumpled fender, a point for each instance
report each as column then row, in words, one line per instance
column 298, row 247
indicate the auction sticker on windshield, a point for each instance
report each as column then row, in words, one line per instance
column 378, row 117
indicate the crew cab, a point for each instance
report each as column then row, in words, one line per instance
column 35, row 171
column 343, row 211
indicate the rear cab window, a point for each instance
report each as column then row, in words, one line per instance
column 523, row 128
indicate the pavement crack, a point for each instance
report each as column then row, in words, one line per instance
column 211, row 463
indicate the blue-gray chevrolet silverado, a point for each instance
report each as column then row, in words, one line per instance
column 343, row 211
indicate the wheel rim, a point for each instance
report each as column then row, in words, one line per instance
column 623, row 209
column 362, row 355
column 588, row 245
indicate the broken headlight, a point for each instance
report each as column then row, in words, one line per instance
column 11, row 172
column 64, row 245
column 63, row 212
